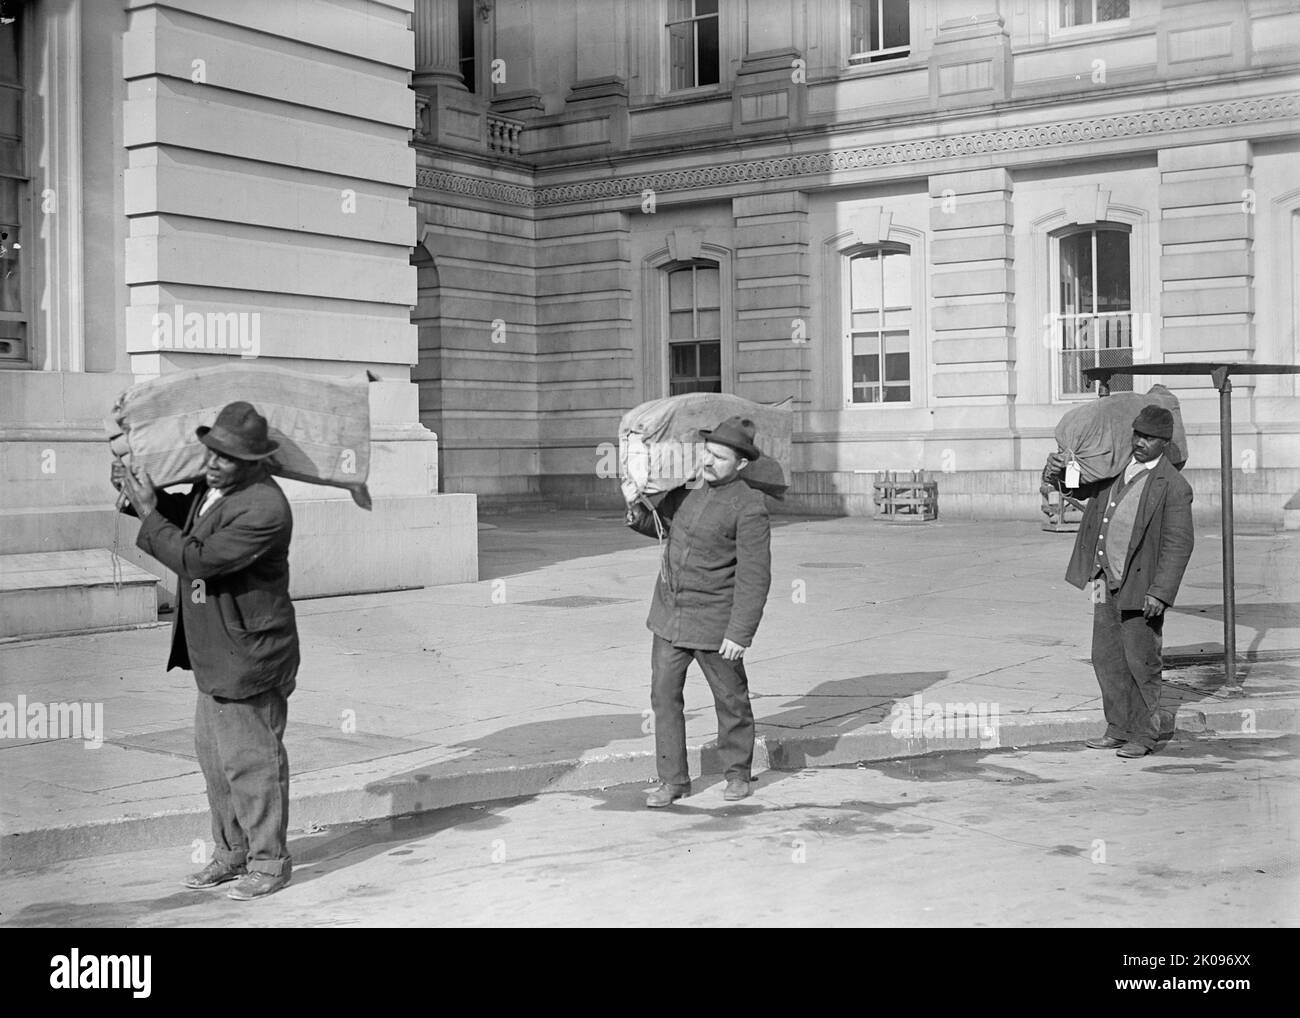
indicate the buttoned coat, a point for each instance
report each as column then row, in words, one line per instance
column 234, row 625
column 1161, row 544
column 717, row 566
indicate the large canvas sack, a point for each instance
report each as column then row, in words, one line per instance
column 659, row 443
column 322, row 424
column 1099, row 433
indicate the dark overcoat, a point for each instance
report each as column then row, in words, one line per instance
column 717, row 566
column 234, row 625
column 1161, row 544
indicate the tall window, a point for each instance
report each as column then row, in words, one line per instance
column 878, row 30
column 694, row 329
column 880, row 325
column 466, row 16
column 692, row 43
column 1089, row 12
column 13, row 194
column 1094, row 307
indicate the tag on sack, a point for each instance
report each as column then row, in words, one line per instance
column 1072, row 474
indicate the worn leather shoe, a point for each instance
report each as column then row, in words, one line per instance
column 258, row 885
column 666, row 795
column 737, row 788
column 1132, row 750
column 214, row 873
column 1105, row 742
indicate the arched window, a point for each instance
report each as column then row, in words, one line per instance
column 1093, row 312
column 694, row 326
column 880, row 325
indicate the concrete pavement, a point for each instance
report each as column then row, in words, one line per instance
column 878, row 642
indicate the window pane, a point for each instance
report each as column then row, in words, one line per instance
column 866, row 368
column 1076, row 12
column 708, row 42
column 710, row 325
column 710, row 360
column 897, row 320
column 706, row 285
column 897, row 367
column 683, row 360
column 9, row 52
column 679, row 10
column 1112, row 271
column 681, row 325
column 1076, row 273
column 10, row 270
column 706, row 7
column 681, row 54
column 866, row 320
column 1109, row 10
column 858, row 25
column 896, row 28
column 898, row 282
column 865, row 274
column 873, row 24
column 898, row 393
column 866, row 343
column 866, row 394
column 9, row 191
column 680, row 290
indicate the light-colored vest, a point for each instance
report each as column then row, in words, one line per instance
column 1117, row 523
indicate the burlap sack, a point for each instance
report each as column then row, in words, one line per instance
column 659, row 442
column 322, row 424
column 1099, row 433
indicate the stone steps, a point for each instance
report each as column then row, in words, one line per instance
column 51, row 593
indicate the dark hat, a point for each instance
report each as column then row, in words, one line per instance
column 736, row 433
column 240, row 433
column 1155, row 422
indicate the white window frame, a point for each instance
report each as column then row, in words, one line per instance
column 1088, row 26
column 1057, row 316
column 666, row 312
column 913, row 330
column 695, row 19
column 864, row 57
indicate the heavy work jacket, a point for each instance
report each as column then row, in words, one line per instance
column 717, row 566
column 234, row 625
column 1162, row 539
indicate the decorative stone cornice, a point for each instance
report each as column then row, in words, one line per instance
column 904, row 153
column 477, row 187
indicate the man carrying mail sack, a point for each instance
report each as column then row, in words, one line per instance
column 1133, row 546
column 707, row 604
column 227, row 540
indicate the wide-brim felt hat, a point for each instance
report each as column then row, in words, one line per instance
column 1155, row 421
column 735, row 433
column 239, row 432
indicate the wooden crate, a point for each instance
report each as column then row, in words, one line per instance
column 906, row 497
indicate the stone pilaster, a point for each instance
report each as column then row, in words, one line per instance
column 772, row 332
column 972, row 287
column 1207, row 231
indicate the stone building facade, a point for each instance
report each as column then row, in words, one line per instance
column 230, row 161
column 918, row 218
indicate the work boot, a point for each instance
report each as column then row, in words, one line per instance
column 214, row 873
column 666, row 795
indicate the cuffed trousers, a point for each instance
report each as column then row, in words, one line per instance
column 240, row 746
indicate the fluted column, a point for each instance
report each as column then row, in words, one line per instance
column 437, row 44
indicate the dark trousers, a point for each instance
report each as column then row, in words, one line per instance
column 730, row 687
column 1126, row 658
column 240, row 745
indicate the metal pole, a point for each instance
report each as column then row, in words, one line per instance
column 1224, row 384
